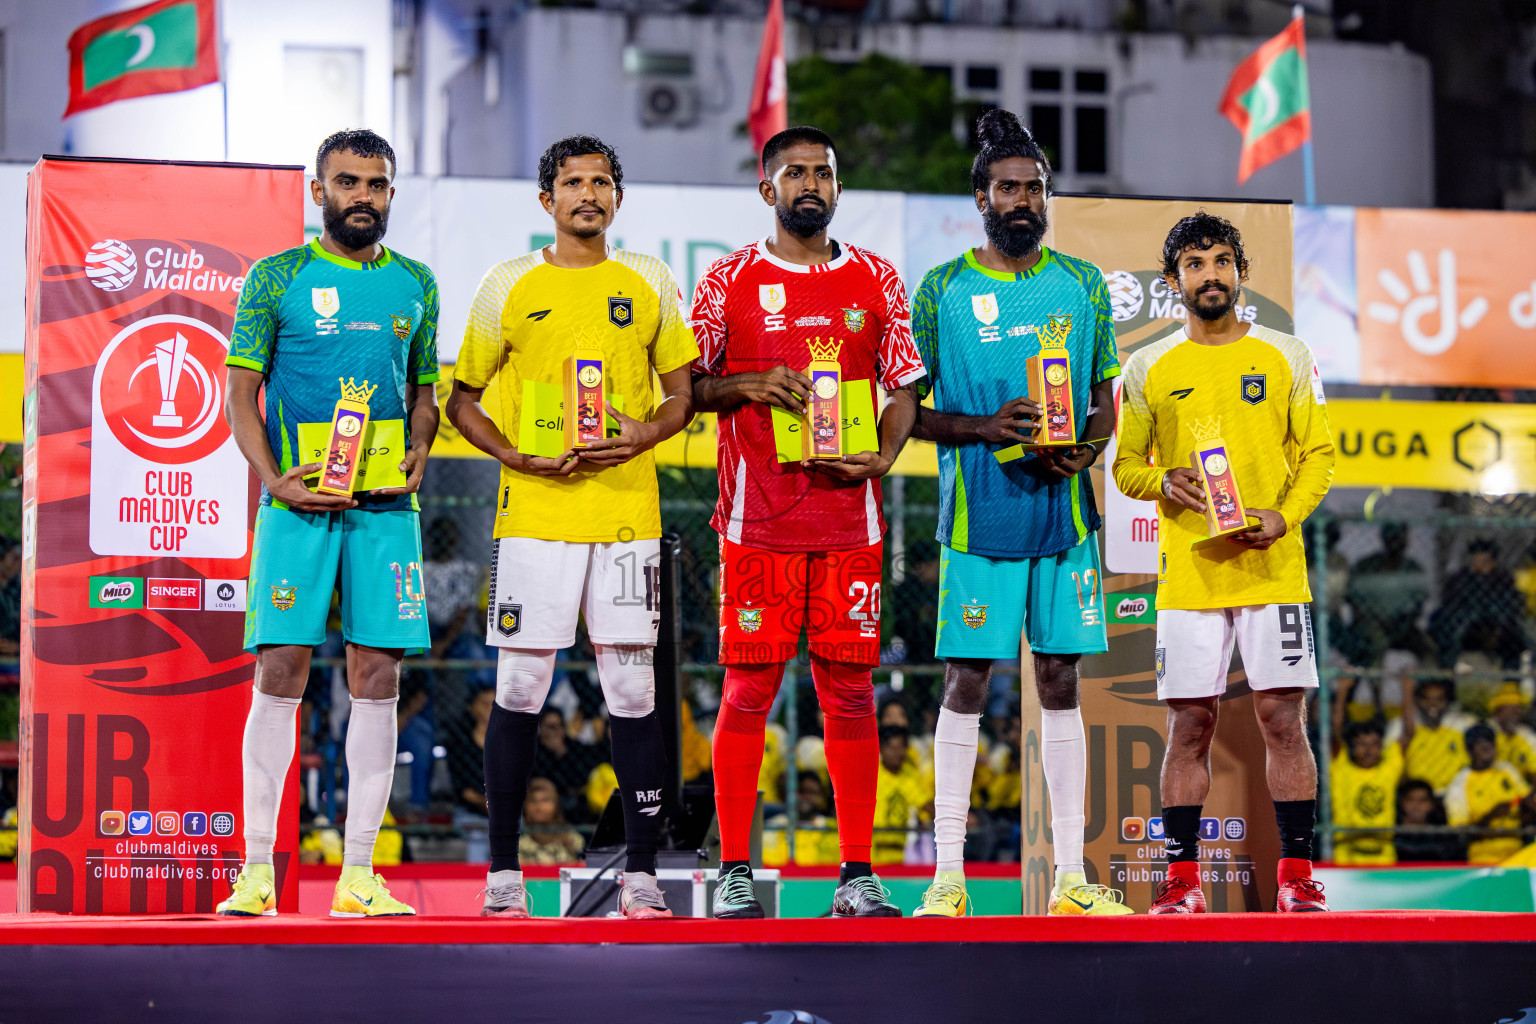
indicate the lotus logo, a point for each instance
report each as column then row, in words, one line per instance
column 1131, row 607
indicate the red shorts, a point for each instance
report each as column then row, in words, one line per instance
column 768, row 597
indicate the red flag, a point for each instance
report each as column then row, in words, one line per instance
column 1267, row 99
column 769, row 113
column 166, row 46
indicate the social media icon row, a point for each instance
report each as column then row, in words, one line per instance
column 167, row 823
column 1137, row 830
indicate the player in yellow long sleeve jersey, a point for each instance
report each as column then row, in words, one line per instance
column 1259, row 390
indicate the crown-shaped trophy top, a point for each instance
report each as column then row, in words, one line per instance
column 1206, row 430
column 354, row 392
column 1054, row 333
column 825, row 351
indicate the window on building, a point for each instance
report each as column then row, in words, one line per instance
column 943, row 71
column 981, row 77
column 1092, row 131
column 1090, row 81
column 1045, row 123
column 1045, row 80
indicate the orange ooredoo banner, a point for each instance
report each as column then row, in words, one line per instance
column 1446, row 297
column 137, row 513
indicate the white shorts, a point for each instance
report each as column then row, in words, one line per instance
column 539, row 586
column 1194, row 649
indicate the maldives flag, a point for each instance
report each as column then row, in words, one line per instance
column 769, row 113
column 166, row 46
column 1268, row 102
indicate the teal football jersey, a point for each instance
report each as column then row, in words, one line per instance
column 307, row 317
column 976, row 328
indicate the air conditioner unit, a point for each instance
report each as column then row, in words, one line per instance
column 668, row 102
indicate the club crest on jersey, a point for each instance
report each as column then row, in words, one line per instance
column 771, row 297
column 283, row 597
column 1253, row 388
column 853, row 319
column 621, row 312
column 985, row 307
column 327, row 303
column 1160, row 661
column 974, row 615
column 749, row 619
column 402, row 325
column 509, row 618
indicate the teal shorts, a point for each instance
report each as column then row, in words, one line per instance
column 1055, row 601
column 299, row 559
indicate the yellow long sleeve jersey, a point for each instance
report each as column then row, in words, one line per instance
column 1263, row 396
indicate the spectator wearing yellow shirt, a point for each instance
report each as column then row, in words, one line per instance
column 1516, row 740
column 816, row 836
column 1488, row 794
column 903, row 797
column 1363, row 786
column 1431, row 732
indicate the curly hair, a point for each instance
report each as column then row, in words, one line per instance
column 1203, row 231
column 357, row 141
column 1002, row 136
column 577, row 145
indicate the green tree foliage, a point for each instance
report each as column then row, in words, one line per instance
column 893, row 122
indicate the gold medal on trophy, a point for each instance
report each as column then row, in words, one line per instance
column 584, row 415
column 1049, row 376
column 823, row 431
column 1225, row 513
column 344, row 450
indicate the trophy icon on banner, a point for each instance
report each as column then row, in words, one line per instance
column 344, row 450
column 1225, row 513
column 170, row 357
column 824, row 411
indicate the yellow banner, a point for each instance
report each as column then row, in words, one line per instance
column 1486, row 448
column 12, row 379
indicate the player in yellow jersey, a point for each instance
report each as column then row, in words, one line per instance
column 577, row 531
column 1259, row 391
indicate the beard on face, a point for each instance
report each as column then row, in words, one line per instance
column 808, row 220
column 1016, row 235
column 338, row 225
column 1210, row 306
column 583, row 229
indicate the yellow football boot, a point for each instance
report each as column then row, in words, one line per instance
column 946, row 897
column 1079, row 899
column 254, row 893
column 361, row 893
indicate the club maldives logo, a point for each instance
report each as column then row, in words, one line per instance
column 158, row 387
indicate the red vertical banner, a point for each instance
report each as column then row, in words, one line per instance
column 138, row 511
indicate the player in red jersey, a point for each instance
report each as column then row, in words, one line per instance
column 800, row 542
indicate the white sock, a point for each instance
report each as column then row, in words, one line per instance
column 266, row 754
column 495, row 878
column 955, row 739
column 1064, row 756
column 370, row 774
column 640, row 880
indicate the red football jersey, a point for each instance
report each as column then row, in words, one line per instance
column 753, row 311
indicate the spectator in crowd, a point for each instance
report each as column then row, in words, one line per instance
column 1328, row 573
column 1363, row 786
column 416, row 735
column 567, row 763
column 770, row 777
column 893, row 711
column 916, row 613
column 466, row 752
column 1417, row 807
column 816, row 836
column 546, row 837
column 903, row 797
column 1525, row 580
column 1515, row 739
column 1386, row 595
column 1489, row 794
column 1481, row 610
column 696, row 749
column 1432, row 734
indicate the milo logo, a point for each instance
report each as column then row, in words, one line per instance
column 1131, row 607
column 116, row 592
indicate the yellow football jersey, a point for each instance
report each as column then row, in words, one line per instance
column 901, row 800
column 1263, row 396
column 1472, row 795
column 528, row 316
column 1519, row 749
column 1436, row 755
column 1366, row 798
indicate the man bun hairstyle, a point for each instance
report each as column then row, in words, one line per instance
column 357, row 141
column 1000, row 135
column 1203, row 231
column 577, row 145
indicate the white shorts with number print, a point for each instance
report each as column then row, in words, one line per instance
column 1194, row 649
column 539, row 586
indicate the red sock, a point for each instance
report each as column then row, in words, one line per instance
column 738, row 758
column 1292, row 867
column 853, row 761
column 1189, row 870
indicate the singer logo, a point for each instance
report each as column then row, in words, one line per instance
column 168, row 593
column 159, row 390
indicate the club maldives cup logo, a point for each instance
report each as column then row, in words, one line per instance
column 166, row 477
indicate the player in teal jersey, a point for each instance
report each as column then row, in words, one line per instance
column 1019, row 543
column 342, row 306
